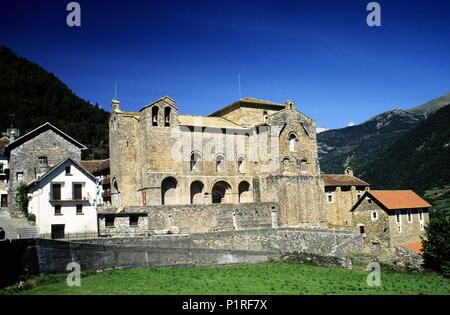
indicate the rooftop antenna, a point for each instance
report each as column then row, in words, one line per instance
column 239, row 85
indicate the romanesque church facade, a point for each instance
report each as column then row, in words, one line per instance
column 249, row 151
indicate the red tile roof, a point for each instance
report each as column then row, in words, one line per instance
column 94, row 166
column 414, row 247
column 399, row 199
column 342, row 180
column 3, row 141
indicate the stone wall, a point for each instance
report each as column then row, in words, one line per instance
column 213, row 217
column 300, row 198
column 25, row 158
column 122, row 225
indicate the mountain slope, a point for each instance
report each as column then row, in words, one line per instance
column 431, row 106
column 31, row 96
column 419, row 160
column 356, row 146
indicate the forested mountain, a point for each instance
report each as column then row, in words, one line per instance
column 31, row 96
column 358, row 145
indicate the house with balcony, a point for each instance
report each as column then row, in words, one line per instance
column 63, row 199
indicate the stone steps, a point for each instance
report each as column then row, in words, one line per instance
column 14, row 228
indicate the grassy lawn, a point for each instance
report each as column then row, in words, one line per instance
column 264, row 279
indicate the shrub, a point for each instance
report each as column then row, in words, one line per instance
column 436, row 244
column 22, row 197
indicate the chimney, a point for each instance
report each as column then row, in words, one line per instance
column 42, row 166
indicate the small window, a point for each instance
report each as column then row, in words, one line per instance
column 43, row 160
column 410, row 217
column 58, row 210
column 79, row 209
column 369, row 200
column 422, row 227
column 420, row 215
column 399, row 228
column 374, row 215
column 398, row 218
column 19, row 176
column 241, row 164
column 134, row 220
column 1, row 167
column 68, row 169
column 362, row 229
column 109, row 221
column 330, row 197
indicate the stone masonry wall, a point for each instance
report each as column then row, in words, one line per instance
column 25, row 158
column 213, row 217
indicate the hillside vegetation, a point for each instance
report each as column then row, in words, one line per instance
column 358, row 145
column 31, row 96
column 419, row 160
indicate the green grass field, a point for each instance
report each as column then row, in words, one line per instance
column 264, row 279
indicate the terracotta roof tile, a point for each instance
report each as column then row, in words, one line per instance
column 342, row 180
column 94, row 166
column 3, row 141
column 414, row 247
column 399, row 199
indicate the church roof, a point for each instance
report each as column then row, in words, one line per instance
column 211, row 122
column 342, row 180
column 248, row 102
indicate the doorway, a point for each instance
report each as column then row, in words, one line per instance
column 4, row 201
column 58, row 231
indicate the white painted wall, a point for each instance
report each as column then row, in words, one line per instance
column 41, row 206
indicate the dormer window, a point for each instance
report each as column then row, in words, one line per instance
column 68, row 169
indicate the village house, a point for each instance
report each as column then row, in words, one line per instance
column 32, row 154
column 342, row 191
column 63, row 200
column 390, row 218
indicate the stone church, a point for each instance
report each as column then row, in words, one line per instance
column 251, row 151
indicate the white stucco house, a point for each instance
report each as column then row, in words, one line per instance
column 63, row 201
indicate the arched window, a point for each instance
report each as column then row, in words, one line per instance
column 193, row 163
column 221, row 192
column 244, row 192
column 220, row 160
column 286, row 165
column 169, row 191
column 303, row 165
column 167, row 116
column 197, row 194
column 241, row 164
column 115, row 186
column 292, row 142
column 155, row 111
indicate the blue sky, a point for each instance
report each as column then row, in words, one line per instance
column 321, row 54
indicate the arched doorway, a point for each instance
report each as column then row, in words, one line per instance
column 169, row 191
column 221, row 192
column 197, row 194
column 244, row 192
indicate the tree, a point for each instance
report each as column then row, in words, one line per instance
column 22, row 198
column 436, row 244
